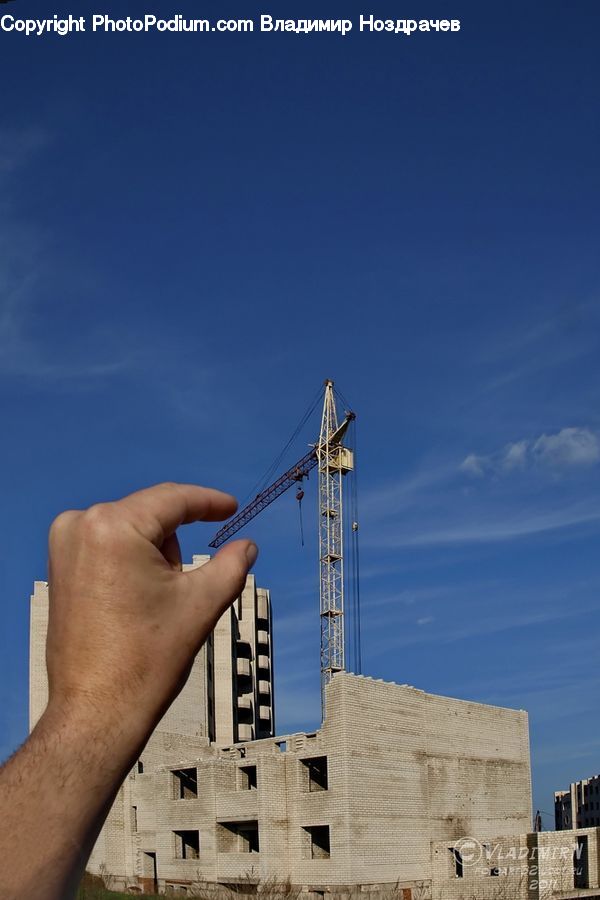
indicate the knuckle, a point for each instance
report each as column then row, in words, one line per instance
column 169, row 485
column 61, row 522
column 98, row 520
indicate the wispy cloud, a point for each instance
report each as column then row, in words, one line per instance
column 567, row 448
column 17, row 146
column 488, row 527
column 466, row 607
column 23, row 357
column 467, row 627
column 408, row 490
column 563, row 337
column 23, row 273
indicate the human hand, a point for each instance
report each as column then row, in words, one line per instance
column 125, row 622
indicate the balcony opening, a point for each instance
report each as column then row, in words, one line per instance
column 247, row 778
column 238, row 837
column 244, row 650
column 314, row 771
column 187, row 844
column 185, row 784
column 317, row 843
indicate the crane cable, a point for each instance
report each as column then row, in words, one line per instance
column 268, row 475
column 299, row 497
column 353, row 637
column 356, row 561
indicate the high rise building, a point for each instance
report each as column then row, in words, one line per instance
column 579, row 807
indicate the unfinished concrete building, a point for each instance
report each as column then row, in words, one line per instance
column 382, row 796
column 358, row 802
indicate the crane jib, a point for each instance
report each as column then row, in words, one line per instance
column 266, row 497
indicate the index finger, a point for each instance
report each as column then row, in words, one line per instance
column 158, row 511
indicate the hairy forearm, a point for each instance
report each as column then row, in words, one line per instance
column 55, row 793
column 124, row 628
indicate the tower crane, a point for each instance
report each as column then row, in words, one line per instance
column 334, row 461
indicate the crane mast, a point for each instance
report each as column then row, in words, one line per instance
column 334, row 461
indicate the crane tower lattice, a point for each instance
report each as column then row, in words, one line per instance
column 334, row 461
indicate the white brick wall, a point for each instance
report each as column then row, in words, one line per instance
column 405, row 769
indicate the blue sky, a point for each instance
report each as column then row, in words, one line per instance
column 196, row 231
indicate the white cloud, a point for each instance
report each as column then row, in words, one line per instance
column 515, row 456
column 474, row 465
column 567, row 448
column 426, row 620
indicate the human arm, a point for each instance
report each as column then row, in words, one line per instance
column 125, row 624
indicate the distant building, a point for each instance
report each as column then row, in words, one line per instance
column 579, row 807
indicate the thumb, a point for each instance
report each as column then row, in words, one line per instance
column 215, row 585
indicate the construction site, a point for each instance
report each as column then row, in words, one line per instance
column 399, row 793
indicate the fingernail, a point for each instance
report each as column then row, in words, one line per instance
column 251, row 554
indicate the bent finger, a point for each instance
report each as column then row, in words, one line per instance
column 158, row 511
column 214, row 586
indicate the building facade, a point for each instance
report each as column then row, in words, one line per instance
column 389, row 796
column 359, row 802
column 579, row 807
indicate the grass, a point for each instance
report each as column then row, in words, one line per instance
column 91, row 888
column 87, row 893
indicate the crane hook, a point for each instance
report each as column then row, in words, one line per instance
column 299, row 498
